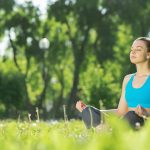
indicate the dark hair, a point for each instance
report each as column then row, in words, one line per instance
column 146, row 40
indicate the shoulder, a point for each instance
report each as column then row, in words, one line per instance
column 127, row 78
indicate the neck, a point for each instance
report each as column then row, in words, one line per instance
column 143, row 69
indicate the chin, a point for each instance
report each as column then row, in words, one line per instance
column 134, row 62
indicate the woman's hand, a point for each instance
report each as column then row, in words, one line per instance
column 80, row 105
column 141, row 111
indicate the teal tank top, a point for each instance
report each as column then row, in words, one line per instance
column 138, row 96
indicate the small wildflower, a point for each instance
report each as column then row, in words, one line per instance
column 34, row 124
column 1, row 125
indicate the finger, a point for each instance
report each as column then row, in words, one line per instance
column 141, row 110
column 80, row 101
column 137, row 110
column 77, row 104
column 139, row 107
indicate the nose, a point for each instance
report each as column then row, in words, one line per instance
column 133, row 51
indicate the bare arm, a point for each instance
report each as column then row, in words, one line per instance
column 122, row 106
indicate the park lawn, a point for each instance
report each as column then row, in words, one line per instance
column 72, row 135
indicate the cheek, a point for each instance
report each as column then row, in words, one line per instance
column 143, row 56
column 130, row 54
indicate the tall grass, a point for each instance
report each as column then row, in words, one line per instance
column 115, row 134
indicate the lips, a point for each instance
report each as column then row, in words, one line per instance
column 132, row 57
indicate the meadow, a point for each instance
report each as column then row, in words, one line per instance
column 115, row 134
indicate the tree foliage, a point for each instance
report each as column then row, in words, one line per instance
column 87, row 58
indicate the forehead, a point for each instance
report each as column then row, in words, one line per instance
column 139, row 43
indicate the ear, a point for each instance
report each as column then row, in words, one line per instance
column 148, row 55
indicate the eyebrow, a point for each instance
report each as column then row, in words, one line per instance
column 137, row 46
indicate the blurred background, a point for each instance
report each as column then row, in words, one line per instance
column 55, row 52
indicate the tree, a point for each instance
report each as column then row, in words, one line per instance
column 80, row 18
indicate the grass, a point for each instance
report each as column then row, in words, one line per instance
column 72, row 135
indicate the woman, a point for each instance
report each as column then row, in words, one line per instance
column 134, row 104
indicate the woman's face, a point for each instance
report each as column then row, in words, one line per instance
column 138, row 53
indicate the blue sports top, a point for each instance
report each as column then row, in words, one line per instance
column 138, row 96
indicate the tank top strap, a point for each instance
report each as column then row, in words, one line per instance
column 131, row 78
